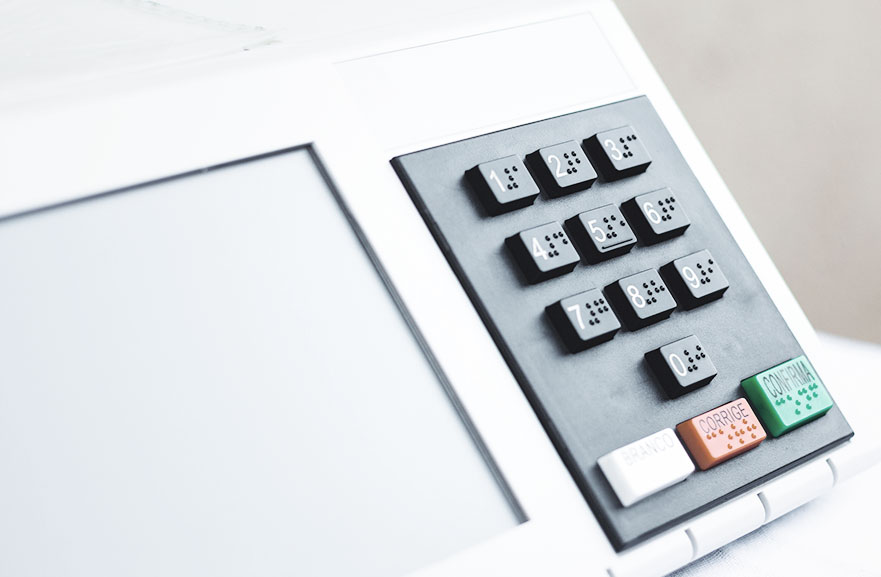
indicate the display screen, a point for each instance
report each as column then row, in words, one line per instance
column 208, row 376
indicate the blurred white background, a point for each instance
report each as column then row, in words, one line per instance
column 784, row 97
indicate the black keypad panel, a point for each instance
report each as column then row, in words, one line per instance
column 593, row 386
column 696, row 279
column 657, row 216
column 641, row 299
column 503, row 184
column 543, row 252
column 681, row 366
column 563, row 168
column 584, row 320
column 601, row 233
column 618, row 153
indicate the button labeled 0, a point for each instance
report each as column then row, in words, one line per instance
column 723, row 433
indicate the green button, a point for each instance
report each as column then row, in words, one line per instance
column 788, row 395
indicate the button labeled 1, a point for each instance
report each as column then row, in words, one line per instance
column 657, row 215
column 696, row 279
column 618, row 153
column 602, row 233
column 681, row 366
column 584, row 320
column 563, row 168
column 543, row 252
column 503, row 184
column 641, row 299
column 646, row 466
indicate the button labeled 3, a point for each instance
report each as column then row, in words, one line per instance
column 618, row 153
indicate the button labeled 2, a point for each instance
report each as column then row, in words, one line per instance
column 563, row 168
column 618, row 153
column 503, row 184
column 584, row 320
column 543, row 252
column 602, row 233
column 646, row 466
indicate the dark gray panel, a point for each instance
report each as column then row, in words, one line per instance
column 595, row 401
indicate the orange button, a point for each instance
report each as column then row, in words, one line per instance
column 722, row 433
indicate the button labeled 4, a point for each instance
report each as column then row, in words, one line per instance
column 543, row 252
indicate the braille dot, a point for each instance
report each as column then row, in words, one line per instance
column 672, row 208
column 516, row 185
column 742, row 441
column 622, row 140
column 565, row 155
column 565, row 241
column 605, row 309
column 552, row 245
column 510, row 187
column 593, row 313
column 654, row 300
column 730, row 446
column 690, row 360
column 511, row 178
column 698, row 347
column 733, row 426
column 754, row 435
column 574, row 170
column 556, row 253
column 710, row 261
column 549, row 238
column 660, row 203
column 710, row 269
column 577, row 161
column 649, row 292
column 709, row 437
column 652, row 283
column 645, row 285
column 571, row 163
column 614, row 235
column 626, row 147
column 507, row 171
column 555, row 235
column 605, row 219
column 662, row 288
column 703, row 281
column 730, row 436
column 591, row 322
column 568, row 171
column 514, row 168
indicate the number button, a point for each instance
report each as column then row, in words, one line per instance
column 681, row 366
column 657, row 215
column 696, row 279
column 601, row 233
column 641, row 299
column 543, row 252
column 503, row 184
column 584, row 320
column 563, row 168
column 618, row 153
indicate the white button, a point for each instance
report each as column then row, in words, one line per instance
column 646, row 466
